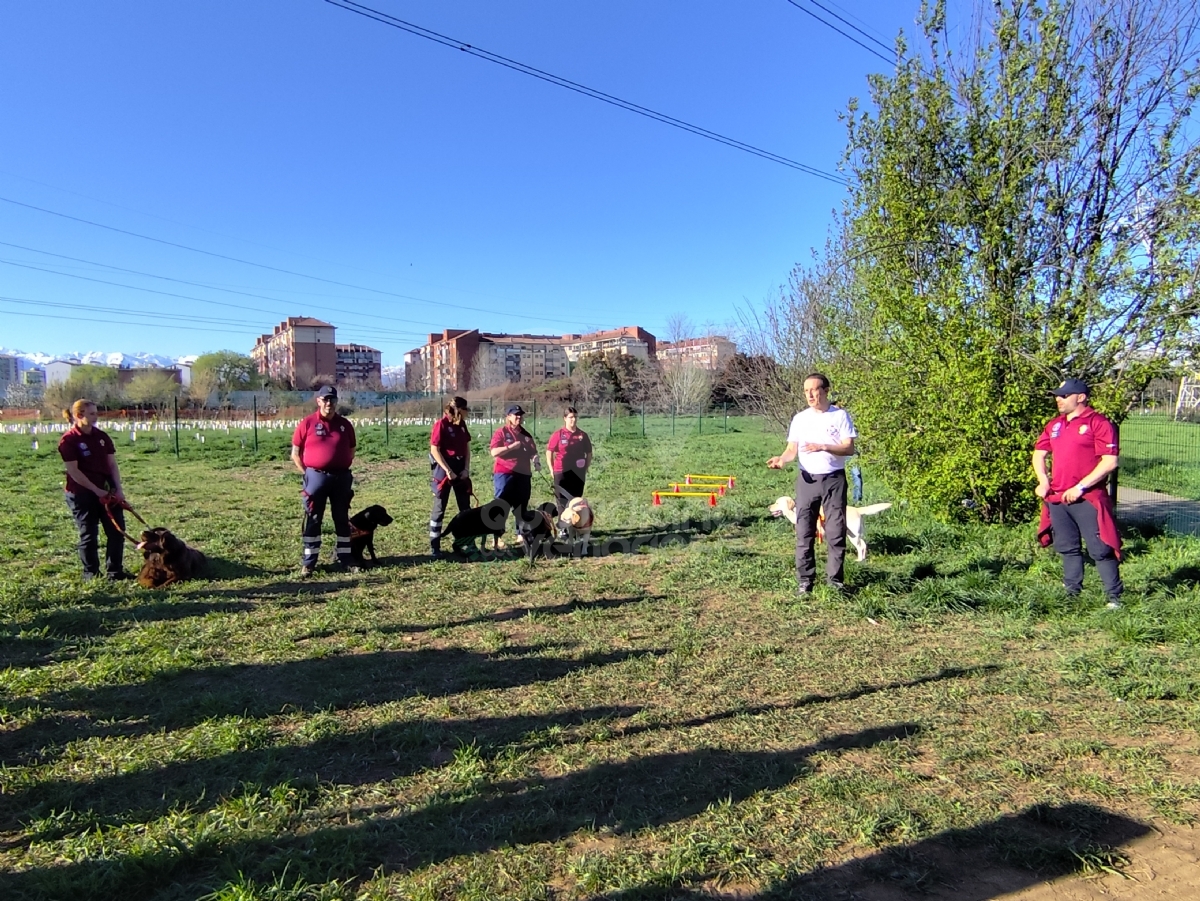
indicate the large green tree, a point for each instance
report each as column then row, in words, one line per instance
column 222, row 371
column 1022, row 209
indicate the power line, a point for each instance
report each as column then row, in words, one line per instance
column 252, row 326
column 891, row 61
column 180, row 281
column 77, row 318
column 317, row 278
column 542, row 75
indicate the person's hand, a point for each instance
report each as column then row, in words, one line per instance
column 450, row 475
column 811, row 448
column 1042, row 489
column 775, row 463
column 117, row 493
column 1072, row 494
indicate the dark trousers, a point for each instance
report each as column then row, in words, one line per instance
column 441, row 490
column 568, row 485
column 812, row 493
column 89, row 516
column 338, row 489
column 515, row 488
column 1071, row 523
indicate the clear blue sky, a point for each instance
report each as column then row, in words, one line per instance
column 296, row 135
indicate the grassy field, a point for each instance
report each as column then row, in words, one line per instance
column 671, row 723
column 1159, row 454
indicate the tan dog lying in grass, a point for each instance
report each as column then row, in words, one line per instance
column 855, row 534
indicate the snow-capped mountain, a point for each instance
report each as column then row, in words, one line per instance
column 392, row 376
column 100, row 358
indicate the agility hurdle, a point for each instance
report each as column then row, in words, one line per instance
column 659, row 495
column 676, row 487
column 693, row 478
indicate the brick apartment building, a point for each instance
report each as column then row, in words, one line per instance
column 466, row 359
column 300, row 351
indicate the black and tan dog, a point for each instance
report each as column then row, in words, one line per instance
column 362, row 532
column 167, row 559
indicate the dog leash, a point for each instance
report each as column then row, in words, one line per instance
column 111, row 502
column 445, row 480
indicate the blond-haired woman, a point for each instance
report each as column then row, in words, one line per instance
column 450, row 467
column 93, row 483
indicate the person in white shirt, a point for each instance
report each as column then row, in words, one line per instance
column 820, row 439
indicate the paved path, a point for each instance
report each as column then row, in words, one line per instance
column 1178, row 514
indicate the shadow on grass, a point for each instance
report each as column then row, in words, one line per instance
column 622, row 797
column 377, row 754
column 514, row 613
column 1040, row 844
column 183, row 699
column 44, row 636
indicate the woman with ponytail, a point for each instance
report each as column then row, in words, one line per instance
column 93, row 481
column 450, row 468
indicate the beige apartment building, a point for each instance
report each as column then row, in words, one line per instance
column 298, row 352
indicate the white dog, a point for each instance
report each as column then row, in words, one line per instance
column 576, row 520
column 855, row 533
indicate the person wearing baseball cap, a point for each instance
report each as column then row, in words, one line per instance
column 1082, row 447
column 516, row 456
column 323, row 451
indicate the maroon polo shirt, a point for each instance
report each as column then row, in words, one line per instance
column 521, row 463
column 1076, row 447
column 92, row 452
column 569, row 451
column 325, row 445
column 454, row 441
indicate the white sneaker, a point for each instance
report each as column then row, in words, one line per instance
column 1113, row 605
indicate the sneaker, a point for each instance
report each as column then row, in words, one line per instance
column 1113, row 605
column 836, row 586
column 435, row 553
column 118, row 577
column 307, row 570
column 804, row 589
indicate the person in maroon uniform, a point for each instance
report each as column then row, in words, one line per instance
column 569, row 454
column 1082, row 446
column 323, row 450
column 516, row 456
column 93, row 481
column 450, row 467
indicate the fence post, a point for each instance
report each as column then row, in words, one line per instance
column 700, row 420
column 175, row 404
column 643, row 419
column 254, row 413
column 386, row 432
column 672, row 420
column 610, row 409
column 726, row 417
column 535, row 420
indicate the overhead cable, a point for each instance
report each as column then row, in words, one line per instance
column 542, row 75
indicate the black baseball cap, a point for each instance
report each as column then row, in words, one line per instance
column 1071, row 386
column 514, row 408
column 327, row 391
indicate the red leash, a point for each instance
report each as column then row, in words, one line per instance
column 112, row 502
column 446, row 480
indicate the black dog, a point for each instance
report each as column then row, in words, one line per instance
column 486, row 519
column 536, row 531
column 362, row 532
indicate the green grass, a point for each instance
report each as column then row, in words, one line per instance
column 661, row 724
column 1159, row 454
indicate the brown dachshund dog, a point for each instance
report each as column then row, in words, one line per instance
column 168, row 560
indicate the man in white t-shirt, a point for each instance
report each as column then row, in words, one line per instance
column 820, row 439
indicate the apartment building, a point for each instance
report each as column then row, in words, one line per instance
column 711, row 352
column 298, row 352
column 630, row 340
column 460, row 360
column 357, row 363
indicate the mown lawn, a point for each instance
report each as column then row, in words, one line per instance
column 670, row 723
